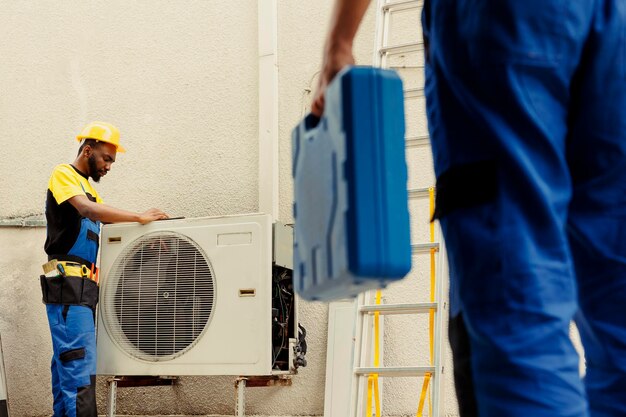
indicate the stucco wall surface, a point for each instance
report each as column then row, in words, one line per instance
column 178, row 78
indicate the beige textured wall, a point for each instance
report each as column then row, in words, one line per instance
column 180, row 79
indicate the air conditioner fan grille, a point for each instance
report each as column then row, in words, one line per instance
column 159, row 296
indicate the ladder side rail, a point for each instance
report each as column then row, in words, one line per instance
column 378, row 34
column 362, row 354
column 386, row 17
column 440, row 317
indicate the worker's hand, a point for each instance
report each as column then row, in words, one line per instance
column 336, row 56
column 152, row 215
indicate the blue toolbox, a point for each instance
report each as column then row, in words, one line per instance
column 350, row 178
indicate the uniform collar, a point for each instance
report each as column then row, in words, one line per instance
column 80, row 172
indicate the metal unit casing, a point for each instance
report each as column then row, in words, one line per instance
column 235, row 338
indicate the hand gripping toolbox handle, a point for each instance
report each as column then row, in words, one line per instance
column 350, row 177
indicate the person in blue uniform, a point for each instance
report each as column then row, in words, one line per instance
column 526, row 106
column 74, row 212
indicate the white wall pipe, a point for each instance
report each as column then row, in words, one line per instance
column 268, row 107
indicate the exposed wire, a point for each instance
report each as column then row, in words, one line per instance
column 284, row 299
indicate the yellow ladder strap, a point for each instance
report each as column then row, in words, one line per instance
column 431, row 313
column 376, row 396
column 377, row 331
column 372, row 379
column 372, row 391
column 420, row 407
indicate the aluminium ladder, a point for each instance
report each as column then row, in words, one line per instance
column 367, row 368
column 368, row 336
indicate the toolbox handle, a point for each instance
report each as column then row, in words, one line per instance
column 311, row 121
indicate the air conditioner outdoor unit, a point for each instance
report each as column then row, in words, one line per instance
column 186, row 297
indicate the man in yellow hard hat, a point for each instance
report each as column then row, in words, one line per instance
column 74, row 212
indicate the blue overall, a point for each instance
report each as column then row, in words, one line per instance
column 73, row 360
column 74, row 341
column 526, row 104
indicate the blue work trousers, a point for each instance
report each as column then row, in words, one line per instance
column 73, row 360
column 526, row 105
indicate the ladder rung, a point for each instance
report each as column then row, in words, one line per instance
column 413, row 92
column 413, row 308
column 397, row 6
column 418, row 192
column 415, row 141
column 424, row 247
column 396, row 371
column 402, row 49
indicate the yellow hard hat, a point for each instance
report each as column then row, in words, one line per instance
column 103, row 132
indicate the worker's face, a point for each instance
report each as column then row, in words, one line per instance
column 100, row 158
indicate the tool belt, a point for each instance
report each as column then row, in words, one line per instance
column 74, row 283
column 68, row 290
column 74, row 266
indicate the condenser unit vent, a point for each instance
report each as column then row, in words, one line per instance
column 160, row 296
